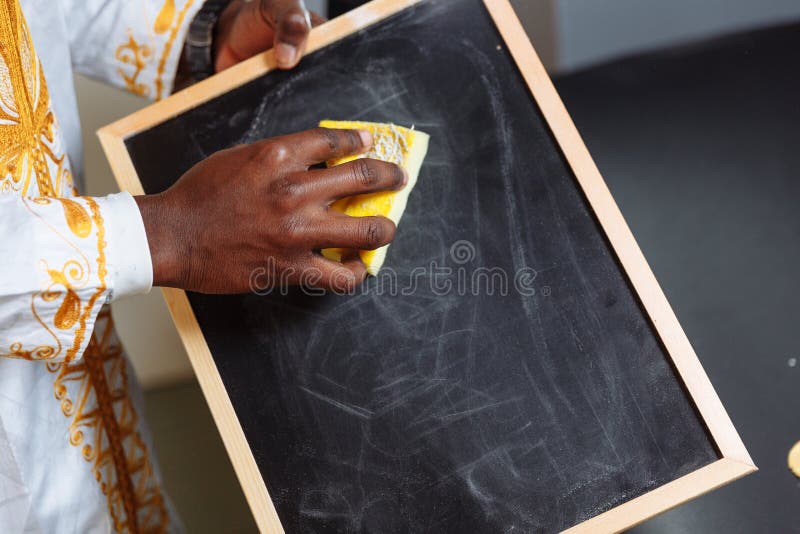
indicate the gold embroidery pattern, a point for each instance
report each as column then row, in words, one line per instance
column 27, row 124
column 101, row 274
column 168, row 46
column 32, row 163
column 135, row 57
column 165, row 16
column 65, row 282
column 93, row 392
column 132, row 53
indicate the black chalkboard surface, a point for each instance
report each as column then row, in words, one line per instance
column 501, row 375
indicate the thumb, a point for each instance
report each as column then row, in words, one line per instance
column 291, row 23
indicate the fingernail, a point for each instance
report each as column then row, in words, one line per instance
column 285, row 54
column 405, row 177
column 366, row 138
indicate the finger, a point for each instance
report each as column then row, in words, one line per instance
column 247, row 34
column 337, row 230
column 335, row 276
column 291, row 22
column 322, row 144
column 317, row 19
column 354, row 178
column 352, row 260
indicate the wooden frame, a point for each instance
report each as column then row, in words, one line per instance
column 735, row 462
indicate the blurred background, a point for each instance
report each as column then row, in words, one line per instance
column 691, row 110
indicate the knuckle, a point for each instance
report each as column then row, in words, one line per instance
column 374, row 233
column 364, row 173
column 294, row 24
column 274, row 154
column 285, row 191
column 398, row 175
column 266, row 9
column 292, row 231
column 341, row 280
column 330, row 137
column 353, row 140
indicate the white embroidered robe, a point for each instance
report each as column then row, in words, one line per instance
column 74, row 452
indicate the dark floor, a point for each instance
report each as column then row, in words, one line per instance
column 699, row 148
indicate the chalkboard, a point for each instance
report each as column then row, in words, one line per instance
column 502, row 374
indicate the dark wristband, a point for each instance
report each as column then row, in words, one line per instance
column 199, row 47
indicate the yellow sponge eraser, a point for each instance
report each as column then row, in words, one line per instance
column 403, row 146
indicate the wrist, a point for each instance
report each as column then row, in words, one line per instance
column 168, row 265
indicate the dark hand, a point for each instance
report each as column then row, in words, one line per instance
column 259, row 209
column 247, row 28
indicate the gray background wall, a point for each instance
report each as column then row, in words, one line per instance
column 568, row 34
column 592, row 31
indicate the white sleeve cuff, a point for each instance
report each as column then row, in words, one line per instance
column 130, row 267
